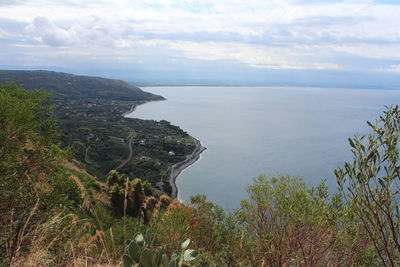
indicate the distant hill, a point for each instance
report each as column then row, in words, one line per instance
column 64, row 85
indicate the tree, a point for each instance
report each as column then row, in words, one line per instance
column 289, row 222
column 34, row 188
column 127, row 196
column 27, row 146
column 371, row 184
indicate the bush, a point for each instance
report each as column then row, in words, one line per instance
column 371, row 183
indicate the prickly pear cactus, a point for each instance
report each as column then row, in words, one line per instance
column 139, row 254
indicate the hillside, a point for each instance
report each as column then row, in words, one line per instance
column 64, row 85
column 90, row 113
column 54, row 213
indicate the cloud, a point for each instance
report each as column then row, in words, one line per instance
column 47, row 32
column 276, row 34
column 10, row 2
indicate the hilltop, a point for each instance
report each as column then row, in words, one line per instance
column 65, row 85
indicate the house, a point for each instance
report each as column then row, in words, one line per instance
column 142, row 142
column 144, row 158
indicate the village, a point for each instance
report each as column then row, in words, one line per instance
column 103, row 139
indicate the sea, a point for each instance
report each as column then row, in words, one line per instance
column 250, row 131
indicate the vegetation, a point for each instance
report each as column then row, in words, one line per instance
column 139, row 254
column 54, row 213
column 103, row 145
column 90, row 113
column 372, row 182
column 74, row 87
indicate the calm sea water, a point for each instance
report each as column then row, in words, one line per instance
column 272, row 131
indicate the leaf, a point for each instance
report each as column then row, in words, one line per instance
column 157, row 256
column 127, row 243
column 139, row 239
column 381, row 183
column 185, row 244
column 190, row 254
column 173, row 263
column 351, row 143
column 154, row 260
column 164, row 261
column 127, row 261
column 175, row 256
column 133, row 250
column 146, row 258
column 148, row 236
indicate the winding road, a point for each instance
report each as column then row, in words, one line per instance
column 130, row 153
column 176, row 169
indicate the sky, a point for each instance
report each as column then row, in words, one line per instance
column 259, row 41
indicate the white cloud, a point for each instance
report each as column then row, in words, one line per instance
column 47, row 32
column 258, row 56
column 292, row 34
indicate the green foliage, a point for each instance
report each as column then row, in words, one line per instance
column 24, row 118
column 283, row 223
column 34, row 184
column 140, row 254
column 64, row 85
column 90, row 111
column 127, row 196
column 27, row 149
column 371, row 182
column 102, row 144
column 288, row 222
column 68, row 193
column 285, row 199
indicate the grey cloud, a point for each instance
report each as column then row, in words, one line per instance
column 50, row 33
column 11, row 29
column 315, row 30
column 11, row 2
column 94, row 33
column 309, row 39
column 277, row 35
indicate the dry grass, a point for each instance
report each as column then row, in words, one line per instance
column 74, row 165
column 83, row 192
column 100, row 195
column 63, row 241
column 36, row 240
column 44, row 239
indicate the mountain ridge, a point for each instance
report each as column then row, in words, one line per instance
column 65, row 85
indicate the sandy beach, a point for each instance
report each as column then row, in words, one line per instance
column 180, row 166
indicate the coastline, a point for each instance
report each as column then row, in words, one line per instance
column 136, row 104
column 177, row 168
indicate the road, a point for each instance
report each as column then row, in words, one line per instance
column 177, row 168
column 130, row 153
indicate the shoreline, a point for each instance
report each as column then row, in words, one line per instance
column 177, row 168
column 136, row 104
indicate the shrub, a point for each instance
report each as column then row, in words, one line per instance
column 371, row 183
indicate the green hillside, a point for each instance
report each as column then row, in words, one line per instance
column 54, row 213
column 90, row 113
column 64, row 85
